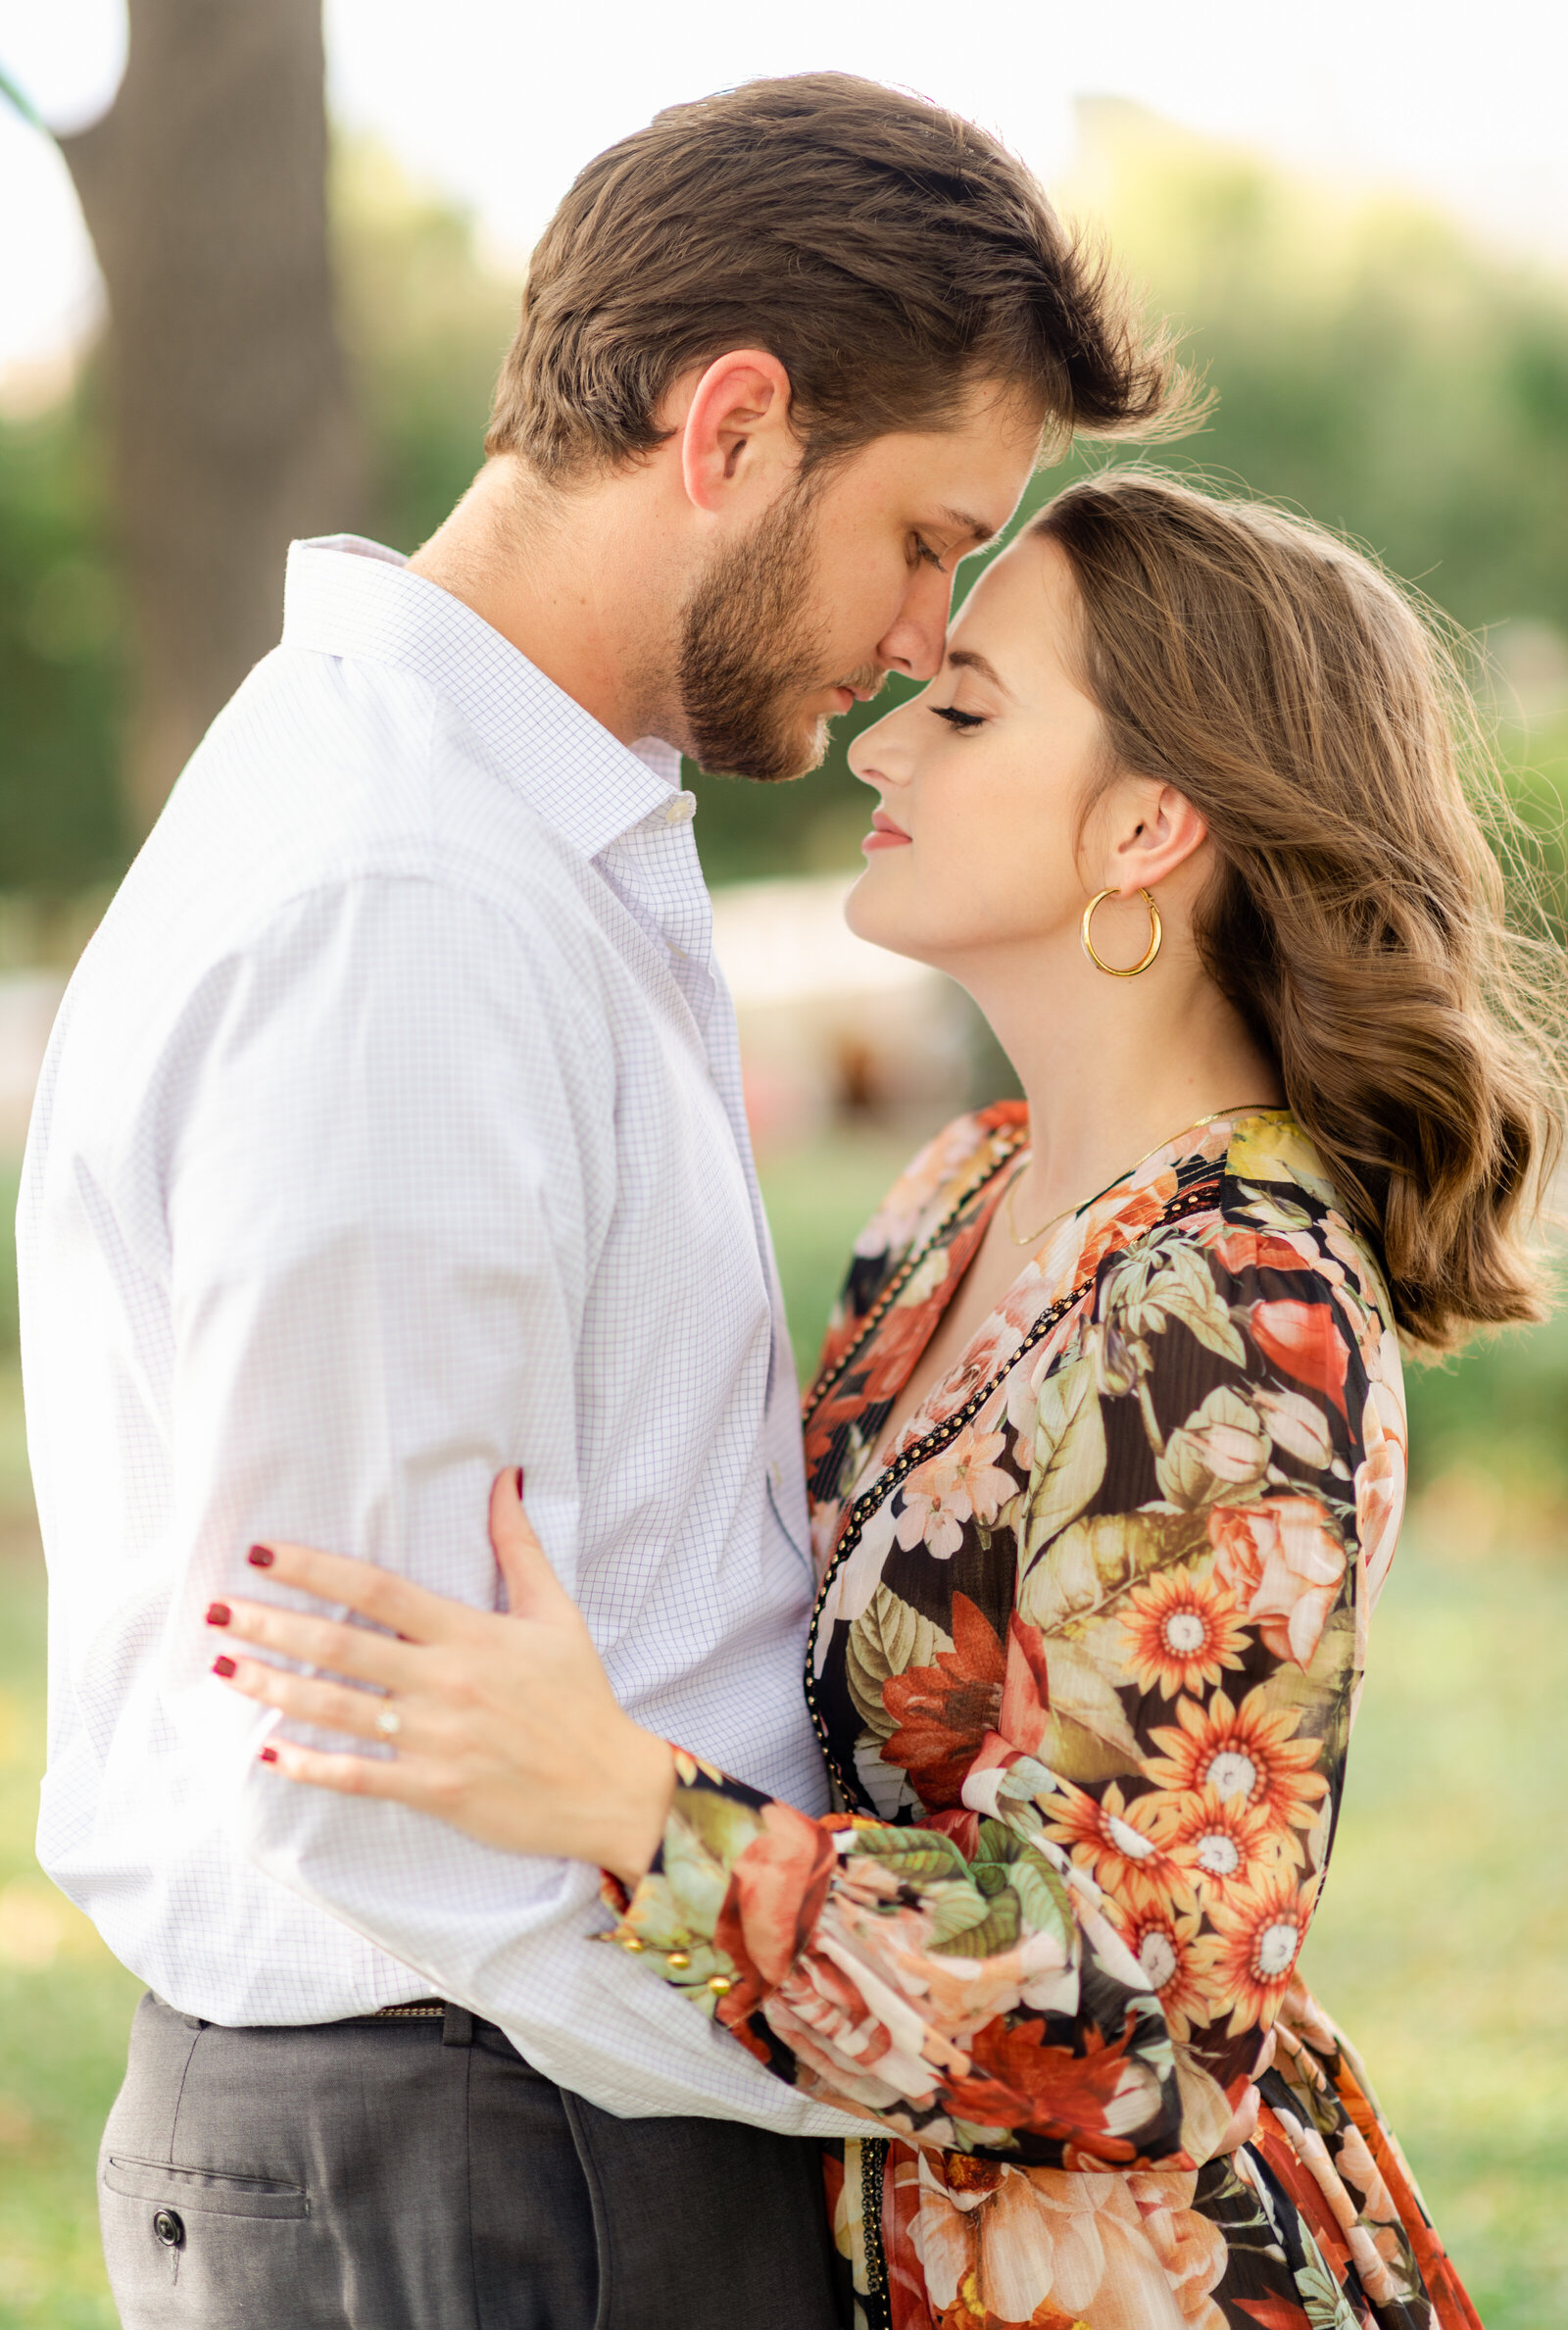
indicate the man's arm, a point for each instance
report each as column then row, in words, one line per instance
column 385, row 1195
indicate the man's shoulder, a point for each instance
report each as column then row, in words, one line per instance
column 326, row 763
column 328, row 776
column 337, row 834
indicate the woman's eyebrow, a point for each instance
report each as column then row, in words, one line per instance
column 969, row 658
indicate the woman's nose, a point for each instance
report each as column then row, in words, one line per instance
column 875, row 755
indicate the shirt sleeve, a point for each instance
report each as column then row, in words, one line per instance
column 377, row 1251
column 381, row 1222
column 385, row 1192
column 1078, row 1968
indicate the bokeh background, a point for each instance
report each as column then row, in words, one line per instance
column 255, row 278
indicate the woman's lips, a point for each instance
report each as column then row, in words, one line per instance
column 884, row 834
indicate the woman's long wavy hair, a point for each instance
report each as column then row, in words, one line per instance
column 1321, row 726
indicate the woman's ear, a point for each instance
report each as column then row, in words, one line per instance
column 736, row 434
column 1152, row 831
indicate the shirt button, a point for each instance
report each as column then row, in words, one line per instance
column 676, row 811
column 170, row 2227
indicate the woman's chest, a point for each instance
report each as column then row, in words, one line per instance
column 919, row 1565
column 970, row 1299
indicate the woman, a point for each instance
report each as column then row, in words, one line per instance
column 1107, row 1453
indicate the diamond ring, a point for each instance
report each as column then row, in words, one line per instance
column 389, row 1723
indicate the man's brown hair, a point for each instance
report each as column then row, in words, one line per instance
column 890, row 255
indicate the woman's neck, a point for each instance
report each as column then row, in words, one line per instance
column 1113, row 1069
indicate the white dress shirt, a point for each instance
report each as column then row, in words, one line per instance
column 390, row 1133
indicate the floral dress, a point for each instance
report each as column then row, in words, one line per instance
column 1084, row 1661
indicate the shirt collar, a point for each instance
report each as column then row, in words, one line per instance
column 345, row 596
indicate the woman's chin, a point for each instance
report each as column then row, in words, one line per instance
column 882, row 921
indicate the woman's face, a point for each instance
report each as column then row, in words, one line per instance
column 982, row 779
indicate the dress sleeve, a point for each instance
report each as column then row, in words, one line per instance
column 1078, row 1968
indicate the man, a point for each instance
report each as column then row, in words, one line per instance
column 392, row 1133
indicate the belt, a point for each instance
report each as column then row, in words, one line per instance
column 457, row 2021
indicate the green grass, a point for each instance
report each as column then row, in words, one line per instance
column 818, row 1199
column 64, row 2005
column 1440, row 1941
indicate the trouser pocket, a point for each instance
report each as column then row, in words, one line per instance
column 186, row 2246
column 192, row 2241
column 174, row 2188
column 301, row 2177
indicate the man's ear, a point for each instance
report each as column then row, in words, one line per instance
column 1153, row 831
column 736, row 437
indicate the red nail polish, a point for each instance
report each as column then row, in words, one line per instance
column 521, row 1479
column 219, row 1614
column 260, row 1557
column 223, row 1667
column 267, row 1756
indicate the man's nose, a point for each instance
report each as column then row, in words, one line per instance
column 914, row 642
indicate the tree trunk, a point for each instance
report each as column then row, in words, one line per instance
column 205, row 192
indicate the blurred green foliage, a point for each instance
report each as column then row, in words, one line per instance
column 1371, row 364
column 61, row 659
column 424, row 324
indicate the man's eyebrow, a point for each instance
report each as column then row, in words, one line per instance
column 974, row 529
column 969, row 658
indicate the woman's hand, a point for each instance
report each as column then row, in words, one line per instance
column 507, row 1727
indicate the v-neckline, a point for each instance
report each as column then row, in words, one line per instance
column 965, row 1244
column 929, row 1413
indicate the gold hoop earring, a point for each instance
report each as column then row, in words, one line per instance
column 1156, row 933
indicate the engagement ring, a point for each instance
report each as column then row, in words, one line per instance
column 389, row 1723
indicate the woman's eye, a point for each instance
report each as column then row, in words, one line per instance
column 963, row 721
column 923, row 550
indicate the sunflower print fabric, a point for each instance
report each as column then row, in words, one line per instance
column 1084, row 1663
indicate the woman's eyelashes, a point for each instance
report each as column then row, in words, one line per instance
column 963, row 721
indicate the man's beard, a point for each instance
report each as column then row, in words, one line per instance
column 751, row 649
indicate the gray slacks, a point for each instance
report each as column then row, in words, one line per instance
column 416, row 2174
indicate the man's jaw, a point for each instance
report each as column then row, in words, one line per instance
column 860, row 687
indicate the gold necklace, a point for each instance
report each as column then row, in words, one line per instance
column 1245, row 1109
